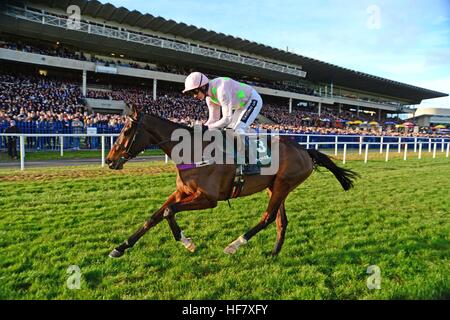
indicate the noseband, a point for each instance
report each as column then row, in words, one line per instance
column 127, row 154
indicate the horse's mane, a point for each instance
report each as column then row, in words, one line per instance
column 176, row 124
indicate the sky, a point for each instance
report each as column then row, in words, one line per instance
column 402, row 40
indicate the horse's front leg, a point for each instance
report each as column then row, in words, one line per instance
column 156, row 218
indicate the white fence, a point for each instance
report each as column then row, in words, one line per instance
column 416, row 146
column 61, row 142
column 386, row 148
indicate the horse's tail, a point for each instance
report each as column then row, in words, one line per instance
column 345, row 176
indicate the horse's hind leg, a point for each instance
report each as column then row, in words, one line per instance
column 276, row 200
column 195, row 201
column 174, row 227
column 282, row 223
column 178, row 234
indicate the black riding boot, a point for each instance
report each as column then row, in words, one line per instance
column 250, row 169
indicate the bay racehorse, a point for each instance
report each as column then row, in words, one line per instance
column 202, row 187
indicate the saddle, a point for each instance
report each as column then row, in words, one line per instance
column 263, row 157
column 250, row 155
column 254, row 155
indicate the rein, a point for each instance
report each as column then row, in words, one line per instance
column 127, row 154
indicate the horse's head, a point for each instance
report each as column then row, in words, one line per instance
column 132, row 140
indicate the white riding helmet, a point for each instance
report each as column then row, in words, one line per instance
column 195, row 80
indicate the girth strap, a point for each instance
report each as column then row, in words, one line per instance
column 238, row 183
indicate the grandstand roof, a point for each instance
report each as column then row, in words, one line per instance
column 316, row 70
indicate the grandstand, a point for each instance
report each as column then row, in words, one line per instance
column 56, row 71
column 431, row 116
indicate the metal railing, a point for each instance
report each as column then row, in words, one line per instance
column 106, row 31
column 383, row 145
column 61, row 140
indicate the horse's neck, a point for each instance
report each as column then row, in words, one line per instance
column 162, row 131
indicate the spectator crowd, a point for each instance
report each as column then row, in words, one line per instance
column 59, row 50
column 36, row 102
column 39, row 104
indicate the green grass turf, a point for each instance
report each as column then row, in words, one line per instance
column 397, row 218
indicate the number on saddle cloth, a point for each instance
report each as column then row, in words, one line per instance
column 260, row 150
column 264, row 152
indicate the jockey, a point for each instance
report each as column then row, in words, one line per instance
column 225, row 94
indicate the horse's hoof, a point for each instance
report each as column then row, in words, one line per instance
column 191, row 247
column 189, row 244
column 230, row 249
column 116, row 254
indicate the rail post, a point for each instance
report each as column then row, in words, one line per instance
column 345, row 153
column 360, row 144
column 336, row 146
column 103, row 151
column 61, row 142
column 22, row 152
column 387, row 152
column 366, row 155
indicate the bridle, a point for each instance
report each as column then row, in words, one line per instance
column 127, row 155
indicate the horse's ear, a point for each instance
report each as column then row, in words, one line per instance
column 134, row 113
